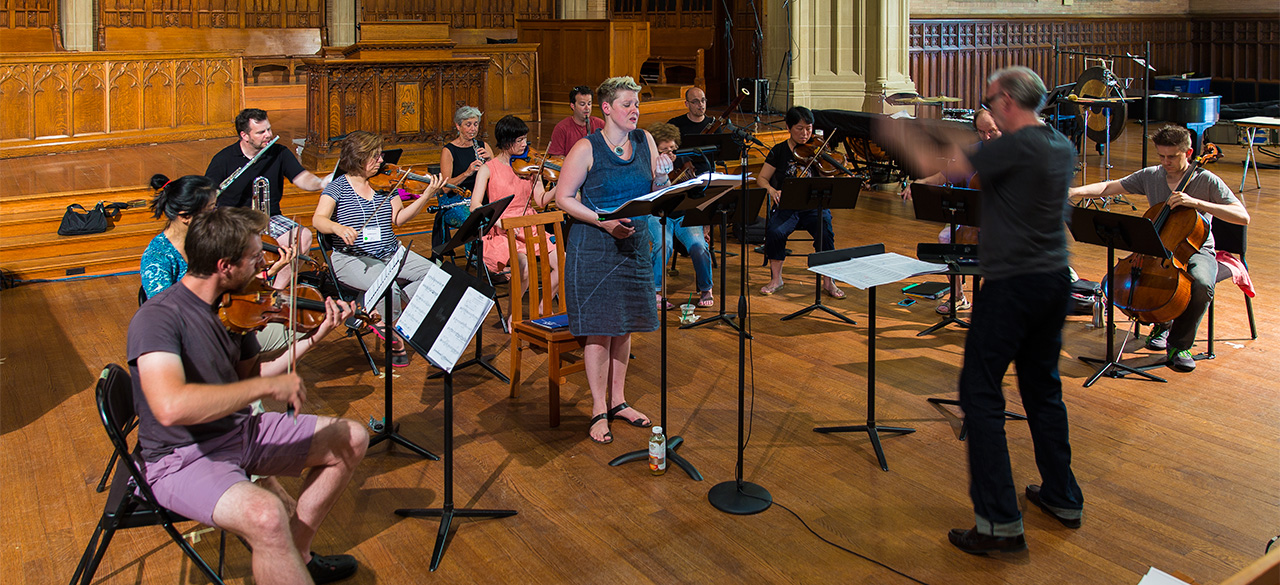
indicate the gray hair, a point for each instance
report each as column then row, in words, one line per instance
column 1023, row 85
column 466, row 113
column 608, row 91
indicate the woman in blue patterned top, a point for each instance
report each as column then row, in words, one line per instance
column 358, row 222
column 608, row 268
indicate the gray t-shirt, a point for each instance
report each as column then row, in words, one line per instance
column 1024, row 176
column 1153, row 182
column 177, row 321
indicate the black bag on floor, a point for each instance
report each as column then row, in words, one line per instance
column 1084, row 293
column 93, row 221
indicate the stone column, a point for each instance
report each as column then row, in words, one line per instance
column 76, row 20
column 342, row 22
column 844, row 54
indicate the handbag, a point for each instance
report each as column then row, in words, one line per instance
column 93, row 221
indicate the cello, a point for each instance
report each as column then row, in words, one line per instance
column 1156, row 290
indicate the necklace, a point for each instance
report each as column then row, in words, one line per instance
column 617, row 148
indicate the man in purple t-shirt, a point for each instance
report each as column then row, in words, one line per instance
column 576, row 127
column 192, row 385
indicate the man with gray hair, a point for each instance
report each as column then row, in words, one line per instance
column 1019, row 316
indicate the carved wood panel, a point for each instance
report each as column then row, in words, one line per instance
column 666, row 13
column 212, row 13
column 953, row 56
column 470, row 14
column 28, row 13
column 513, row 79
column 78, row 101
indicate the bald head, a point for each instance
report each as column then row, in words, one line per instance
column 696, row 100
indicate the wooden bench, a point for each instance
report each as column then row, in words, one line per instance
column 30, row 40
column 282, row 48
column 695, row 61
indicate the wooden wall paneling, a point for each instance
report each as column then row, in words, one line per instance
column 89, row 98
column 474, row 14
column 513, row 78
column 51, row 94
column 125, row 96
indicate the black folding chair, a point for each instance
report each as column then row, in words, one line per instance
column 130, row 504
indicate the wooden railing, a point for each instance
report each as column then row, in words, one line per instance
column 469, row 14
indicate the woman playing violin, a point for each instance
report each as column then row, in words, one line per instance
column 495, row 180
column 778, row 166
column 358, row 222
column 460, row 160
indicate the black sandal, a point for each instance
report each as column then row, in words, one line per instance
column 640, row 422
column 608, row 435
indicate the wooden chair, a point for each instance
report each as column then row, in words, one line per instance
column 533, row 229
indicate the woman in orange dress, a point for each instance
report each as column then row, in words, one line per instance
column 495, row 180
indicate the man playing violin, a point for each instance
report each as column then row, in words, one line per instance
column 275, row 165
column 778, row 166
column 576, row 127
column 1211, row 198
column 192, row 384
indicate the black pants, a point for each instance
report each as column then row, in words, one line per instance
column 1017, row 320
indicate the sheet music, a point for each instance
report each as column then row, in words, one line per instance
column 869, row 271
column 461, row 327
column 709, row 179
column 411, row 317
column 388, row 274
column 1155, row 576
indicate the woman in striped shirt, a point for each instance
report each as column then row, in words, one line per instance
column 358, row 222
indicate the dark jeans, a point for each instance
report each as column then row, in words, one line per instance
column 1017, row 320
column 784, row 221
column 1203, row 267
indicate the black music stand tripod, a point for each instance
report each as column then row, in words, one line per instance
column 872, row 429
column 723, row 208
column 821, row 194
column 447, row 512
column 481, row 220
column 954, row 206
column 388, row 429
column 1116, row 231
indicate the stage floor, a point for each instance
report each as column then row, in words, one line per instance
column 1183, row 476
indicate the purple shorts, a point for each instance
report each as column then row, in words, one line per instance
column 192, row 479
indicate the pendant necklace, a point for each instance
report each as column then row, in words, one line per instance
column 616, row 149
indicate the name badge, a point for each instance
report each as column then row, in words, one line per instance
column 371, row 234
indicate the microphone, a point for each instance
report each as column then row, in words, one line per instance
column 745, row 134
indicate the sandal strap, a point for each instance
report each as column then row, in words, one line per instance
column 615, row 410
column 604, row 415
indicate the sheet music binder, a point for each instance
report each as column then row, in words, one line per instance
column 434, row 323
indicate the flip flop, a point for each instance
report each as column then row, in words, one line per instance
column 636, row 422
column 608, row 435
column 766, row 291
column 707, row 299
column 834, row 292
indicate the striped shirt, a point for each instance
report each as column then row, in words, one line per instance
column 353, row 211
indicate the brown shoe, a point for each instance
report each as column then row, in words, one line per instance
column 976, row 543
column 1033, row 496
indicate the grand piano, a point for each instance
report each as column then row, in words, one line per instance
column 1196, row 111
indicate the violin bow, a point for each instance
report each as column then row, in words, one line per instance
column 293, row 313
column 403, row 175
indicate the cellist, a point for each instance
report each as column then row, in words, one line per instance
column 1211, row 198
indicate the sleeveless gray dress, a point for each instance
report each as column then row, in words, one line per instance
column 609, row 282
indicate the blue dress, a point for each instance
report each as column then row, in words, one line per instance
column 162, row 265
column 608, row 283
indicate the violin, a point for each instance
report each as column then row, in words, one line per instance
column 817, row 159
column 683, row 173
column 1156, row 290
column 259, row 305
column 547, row 167
column 271, row 252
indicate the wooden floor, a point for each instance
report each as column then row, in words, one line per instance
column 1184, row 476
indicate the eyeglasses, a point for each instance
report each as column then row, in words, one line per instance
column 988, row 101
column 697, row 101
column 671, row 150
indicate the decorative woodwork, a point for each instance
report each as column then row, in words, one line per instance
column 201, row 14
column 513, row 79
column 402, row 40
column 409, row 103
column 29, row 26
column 953, row 56
column 263, row 47
column 577, row 52
column 666, row 14
column 58, row 102
column 459, row 15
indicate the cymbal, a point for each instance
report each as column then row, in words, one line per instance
column 1092, row 100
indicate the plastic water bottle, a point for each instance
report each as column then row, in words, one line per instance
column 657, row 452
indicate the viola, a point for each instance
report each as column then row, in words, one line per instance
column 817, row 159
column 539, row 164
column 1155, row 290
column 254, row 308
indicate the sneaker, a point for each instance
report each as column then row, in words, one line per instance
column 1159, row 338
column 1180, row 360
column 327, row 569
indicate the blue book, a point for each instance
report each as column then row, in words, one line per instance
column 554, row 322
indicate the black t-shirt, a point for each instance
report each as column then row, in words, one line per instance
column 277, row 165
column 177, row 321
column 462, row 158
column 1025, row 176
column 783, row 162
column 688, row 126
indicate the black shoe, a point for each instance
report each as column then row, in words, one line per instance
column 1159, row 338
column 975, row 543
column 327, row 569
column 1033, row 496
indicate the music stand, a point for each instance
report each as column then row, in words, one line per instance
column 821, row 194
column 421, row 342
column 389, row 429
column 478, row 223
column 1132, row 233
column 871, row 428
column 723, row 208
column 954, row 206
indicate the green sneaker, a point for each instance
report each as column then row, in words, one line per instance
column 1180, row 360
column 1159, row 338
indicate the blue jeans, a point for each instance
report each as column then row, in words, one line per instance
column 1017, row 320
column 693, row 241
column 782, row 222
